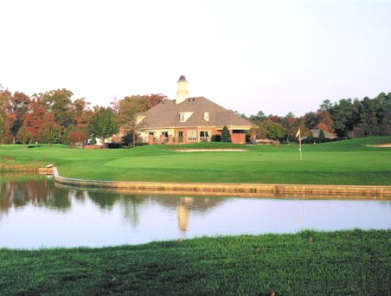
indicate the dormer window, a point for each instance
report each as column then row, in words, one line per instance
column 184, row 116
column 206, row 116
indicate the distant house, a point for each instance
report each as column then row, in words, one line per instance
column 327, row 135
column 189, row 120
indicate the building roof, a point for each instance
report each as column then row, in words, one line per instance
column 166, row 114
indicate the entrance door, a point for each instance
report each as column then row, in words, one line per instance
column 180, row 137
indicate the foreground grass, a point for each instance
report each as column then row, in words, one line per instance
column 345, row 162
column 308, row 263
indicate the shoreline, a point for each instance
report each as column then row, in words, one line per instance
column 298, row 191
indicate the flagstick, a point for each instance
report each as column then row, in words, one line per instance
column 299, row 136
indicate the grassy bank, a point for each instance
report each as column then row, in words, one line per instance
column 308, row 263
column 345, row 162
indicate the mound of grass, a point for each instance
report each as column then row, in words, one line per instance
column 308, row 263
column 346, row 162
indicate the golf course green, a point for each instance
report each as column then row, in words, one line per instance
column 350, row 162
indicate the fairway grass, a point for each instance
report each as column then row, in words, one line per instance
column 307, row 263
column 350, row 162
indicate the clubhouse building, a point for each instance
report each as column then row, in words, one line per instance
column 189, row 120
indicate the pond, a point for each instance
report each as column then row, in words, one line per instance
column 35, row 213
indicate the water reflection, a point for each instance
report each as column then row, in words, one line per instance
column 36, row 212
column 37, row 191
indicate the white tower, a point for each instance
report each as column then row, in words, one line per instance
column 182, row 93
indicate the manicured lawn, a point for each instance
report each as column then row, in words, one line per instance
column 308, row 263
column 344, row 162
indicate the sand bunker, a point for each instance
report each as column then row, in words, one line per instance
column 210, row 150
column 381, row 145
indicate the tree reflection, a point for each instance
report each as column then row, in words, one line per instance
column 39, row 192
column 45, row 193
column 104, row 199
column 130, row 205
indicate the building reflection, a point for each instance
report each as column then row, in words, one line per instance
column 187, row 205
column 183, row 209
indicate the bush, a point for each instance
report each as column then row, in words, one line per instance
column 113, row 145
column 93, row 141
column 322, row 137
column 216, row 138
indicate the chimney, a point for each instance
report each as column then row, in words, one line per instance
column 182, row 92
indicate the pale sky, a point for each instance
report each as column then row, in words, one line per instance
column 275, row 56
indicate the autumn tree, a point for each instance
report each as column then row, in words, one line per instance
column 103, row 124
column 36, row 119
column 74, row 134
column 5, row 118
column 81, row 114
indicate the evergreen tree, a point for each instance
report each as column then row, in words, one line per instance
column 225, row 135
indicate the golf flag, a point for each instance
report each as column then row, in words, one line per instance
column 298, row 133
column 298, row 136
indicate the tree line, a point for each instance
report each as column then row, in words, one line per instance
column 345, row 119
column 53, row 117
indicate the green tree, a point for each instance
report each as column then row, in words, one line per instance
column 274, row 130
column 129, row 107
column 225, row 135
column 385, row 114
column 58, row 103
column 23, row 136
column 345, row 115
column 3, row 123
column 19, row 106
column 326, row 106
column 51, row 133
column 103, row 124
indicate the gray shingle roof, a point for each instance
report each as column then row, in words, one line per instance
column 166, row 114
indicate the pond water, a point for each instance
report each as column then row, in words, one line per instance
column 37, row 213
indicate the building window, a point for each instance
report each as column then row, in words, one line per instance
column 181, row 117
column 192, row 136
column 204, row 136
column 206, row 116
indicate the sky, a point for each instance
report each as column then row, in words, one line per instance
column 248, row 56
